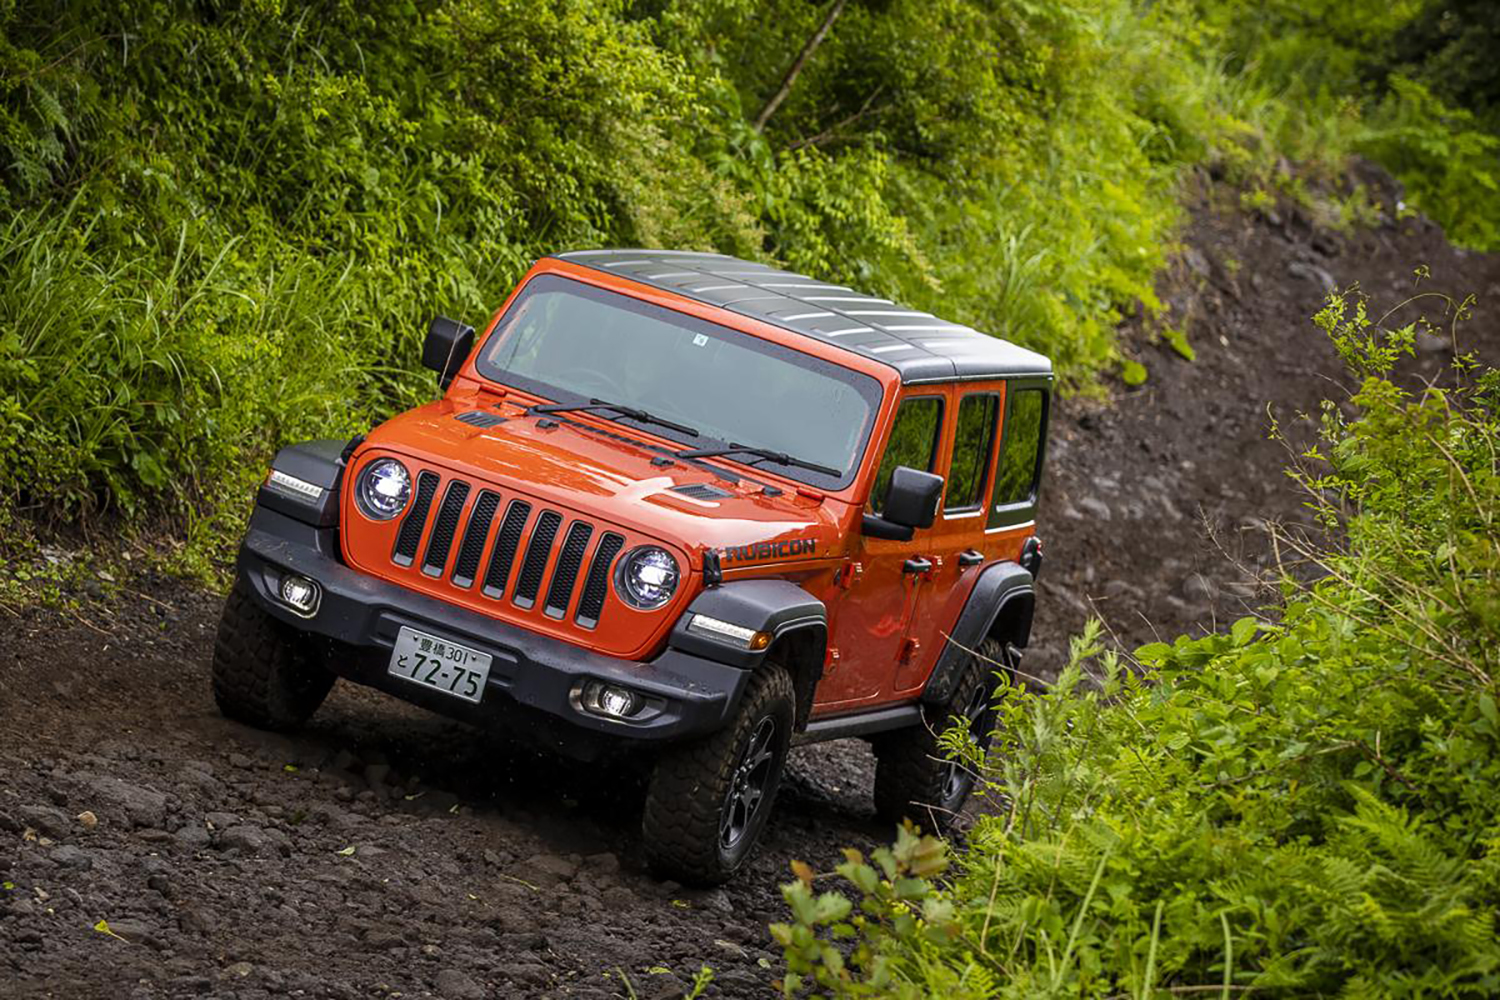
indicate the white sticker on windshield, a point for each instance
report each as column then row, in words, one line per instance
column 699, row 339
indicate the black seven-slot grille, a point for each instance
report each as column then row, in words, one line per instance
column 517, row 526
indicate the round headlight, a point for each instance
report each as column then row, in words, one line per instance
column 647, row 577
column 383, row 489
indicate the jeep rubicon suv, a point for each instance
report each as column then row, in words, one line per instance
column 673, row 503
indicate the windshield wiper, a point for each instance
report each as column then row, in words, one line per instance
column 779, row 457
column 640, row 416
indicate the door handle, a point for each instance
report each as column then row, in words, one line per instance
column 970, row 557
column 917, row 565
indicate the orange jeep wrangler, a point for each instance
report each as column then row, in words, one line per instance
column 675, row 503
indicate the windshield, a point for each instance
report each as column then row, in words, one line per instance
column 568, row 341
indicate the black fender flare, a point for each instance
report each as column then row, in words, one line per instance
column 317, row 464
column 797, row 621
column 1001, row 588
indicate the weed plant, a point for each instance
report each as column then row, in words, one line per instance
column 1303, row 805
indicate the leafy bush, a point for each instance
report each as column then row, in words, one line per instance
column 180, row 182
column 1305, row 805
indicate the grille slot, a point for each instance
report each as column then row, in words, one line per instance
column 445, row 527
column 596, row 587
column 478, row 418
column 701, row 491
column 477, row 531
column 560, row 591
column 537, row 551
column 410, row 533
column 505, row 549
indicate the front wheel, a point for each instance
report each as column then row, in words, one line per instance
column 709, row 800
column 264, row 672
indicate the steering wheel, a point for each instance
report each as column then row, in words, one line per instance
column 611, row 390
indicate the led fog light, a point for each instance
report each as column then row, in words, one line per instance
column 729, row 633
column 301, row 595
column 608, row 700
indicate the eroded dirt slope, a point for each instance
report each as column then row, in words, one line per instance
column 385, row 851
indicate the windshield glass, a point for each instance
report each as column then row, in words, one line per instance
column 570, row 341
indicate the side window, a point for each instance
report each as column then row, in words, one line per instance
column 1020, row 448
column 977, row 416
column 913, row 443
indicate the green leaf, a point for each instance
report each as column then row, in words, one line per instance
column 1133, row 373
column 1243, row 630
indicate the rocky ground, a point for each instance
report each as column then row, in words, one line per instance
column 150, row 848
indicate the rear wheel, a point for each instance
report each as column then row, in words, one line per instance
column 913, row 778
column 265, row 673
column 709, row 800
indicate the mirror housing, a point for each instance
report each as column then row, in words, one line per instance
column 446, row 348
column 911, row 502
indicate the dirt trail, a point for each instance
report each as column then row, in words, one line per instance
column 388, row 852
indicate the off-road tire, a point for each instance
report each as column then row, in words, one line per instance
column 685, row 800
column 910, row 769
column 265, row 673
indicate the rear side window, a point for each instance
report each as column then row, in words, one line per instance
column 913, row 443
column 1020, row 449
column 972, row 441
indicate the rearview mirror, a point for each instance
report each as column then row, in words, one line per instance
column 911, row 502
column 446, row 348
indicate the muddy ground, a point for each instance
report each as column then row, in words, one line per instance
column 387, row 852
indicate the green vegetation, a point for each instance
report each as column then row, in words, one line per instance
column 223, row 225
column 1306, row 805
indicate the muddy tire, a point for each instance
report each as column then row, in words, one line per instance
column 913, row 780
column 708, row 801
column 265, row 672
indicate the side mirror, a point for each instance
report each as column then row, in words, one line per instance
column 446, row 348
column 911, row 502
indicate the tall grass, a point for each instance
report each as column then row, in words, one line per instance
column 165, row 375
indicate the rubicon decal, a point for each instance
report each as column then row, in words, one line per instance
column 768, row 550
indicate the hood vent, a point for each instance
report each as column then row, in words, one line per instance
column 701, row 491
column 478, row 418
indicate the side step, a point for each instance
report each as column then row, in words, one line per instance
column 860, row 724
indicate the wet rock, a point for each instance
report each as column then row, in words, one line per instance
column 1431, row 343
column 69, row 856
column 1095, row 508
column 47, row 821
column 1312, row 272
column 1199, row 588
column 137, row 932
column 246, row 839
column 546, row 870
column 221, row 820
column 192, row 836
column 531, row 975
column 455, row 984
column 602, row 864
column 663, row 986
column 193, row 920
column 142, row 806
column 618, row 898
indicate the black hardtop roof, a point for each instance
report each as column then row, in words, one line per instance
column 919, row 345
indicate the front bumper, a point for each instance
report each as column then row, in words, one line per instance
column 532, row 677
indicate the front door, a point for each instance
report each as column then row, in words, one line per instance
column 878, row 614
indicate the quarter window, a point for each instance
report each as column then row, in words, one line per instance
column 913, row 443
column 1020, row 449
column 972, row 441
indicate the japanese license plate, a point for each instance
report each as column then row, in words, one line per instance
column 440, row 663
